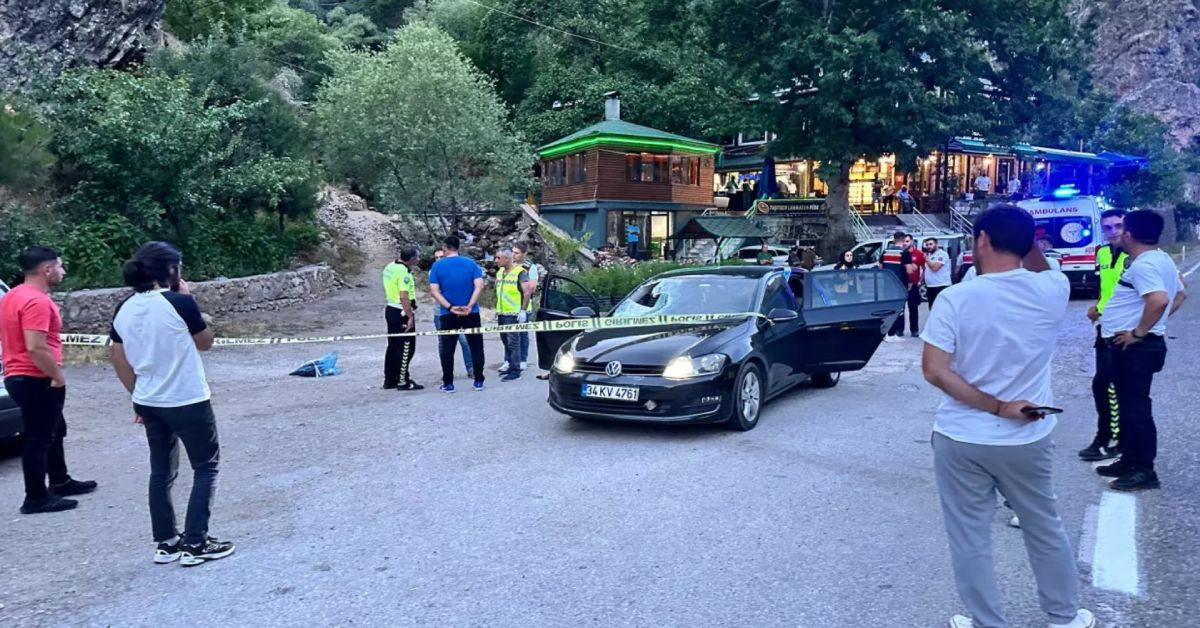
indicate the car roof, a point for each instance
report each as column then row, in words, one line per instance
column 752, row 272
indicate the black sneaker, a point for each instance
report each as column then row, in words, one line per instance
column 410, row 385
column 50, row 503
column 167, row 552
column 73, row 487
column 193, row 554
column 389, row 386
column 1114, row 470
column 1096, row 453
column 1135, row 481
column 510, row 376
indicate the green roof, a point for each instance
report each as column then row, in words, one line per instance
column 721, row 227
column 622, row 132
column 1057, row 154
column 971, row 145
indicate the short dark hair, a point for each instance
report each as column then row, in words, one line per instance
column 1113, row 213
column 408, row 253
column 31, row 258
column 1144, row 225
column 521, row 246
column 899, row 235
column 153, row 264
column 451, row 243
column 1010, row 229
column 928, row 240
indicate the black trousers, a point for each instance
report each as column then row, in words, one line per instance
column 898, row 326
column 914, row 307
column 399, row 350
column 932, row 292
column 1104, row 395
column 196, row 427
column 43, row 432
column 1132, row 372
column 474, row 343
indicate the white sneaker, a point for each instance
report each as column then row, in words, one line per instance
column 524, row 366
column 1014, row 522
column 893, row 339
column 1083, row 619
column 961, row 621
column 504, row 367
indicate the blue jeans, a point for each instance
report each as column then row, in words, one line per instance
column 524, row 336
column 462, row 342
column 511, row 342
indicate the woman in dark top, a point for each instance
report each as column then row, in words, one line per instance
column 845, row 261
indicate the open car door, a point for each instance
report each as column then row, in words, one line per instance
column 846, row 315
column 560, row 297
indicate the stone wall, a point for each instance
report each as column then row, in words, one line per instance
column 90, row 311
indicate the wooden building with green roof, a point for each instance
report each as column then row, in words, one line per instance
column 615, row 178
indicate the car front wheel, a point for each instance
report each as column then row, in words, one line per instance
column 748, row 395
column 826, row 380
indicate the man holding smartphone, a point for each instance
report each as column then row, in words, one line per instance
column 157, row 334
column 29, row 331
column 985, row 348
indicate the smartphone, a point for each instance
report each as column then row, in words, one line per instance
column 1037, row 412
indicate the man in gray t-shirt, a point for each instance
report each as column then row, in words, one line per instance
column 1134, row 326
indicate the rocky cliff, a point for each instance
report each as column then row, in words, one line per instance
column 1147, row 52
column 42, row 37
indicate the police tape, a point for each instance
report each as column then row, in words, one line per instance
column 573, row 324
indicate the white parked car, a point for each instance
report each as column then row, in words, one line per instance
column 749, row 254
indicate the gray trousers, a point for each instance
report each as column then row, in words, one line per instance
column 968, row 477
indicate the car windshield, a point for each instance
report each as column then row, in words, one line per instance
column 690, row 294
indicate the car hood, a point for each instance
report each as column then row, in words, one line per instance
column 653, row 346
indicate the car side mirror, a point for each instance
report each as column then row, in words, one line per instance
column 583, row 312
column 782, row 315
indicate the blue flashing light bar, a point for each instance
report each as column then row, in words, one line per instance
column 1066, row 191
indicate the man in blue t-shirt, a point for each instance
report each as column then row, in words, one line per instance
column 456, row 283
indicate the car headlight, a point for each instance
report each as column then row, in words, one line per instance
column 684, row 367
column 565, row 362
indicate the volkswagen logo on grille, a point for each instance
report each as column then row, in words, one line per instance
column 612, row 369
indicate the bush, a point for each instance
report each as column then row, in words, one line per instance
column 617, row 281
column 24, row 159
column 21, row 228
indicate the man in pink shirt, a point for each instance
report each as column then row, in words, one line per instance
column 33, row 375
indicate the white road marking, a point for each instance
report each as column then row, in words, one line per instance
column 1189, row 273
column 1115, row 558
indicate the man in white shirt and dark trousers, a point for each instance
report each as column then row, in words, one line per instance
column 1134, row 328
column 157, row 335
column 986, row 347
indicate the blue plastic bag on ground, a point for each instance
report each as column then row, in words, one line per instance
column 324, row 366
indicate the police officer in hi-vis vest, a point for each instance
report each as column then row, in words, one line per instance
column 512, row 306
column 401, row 291
column 1110, row 261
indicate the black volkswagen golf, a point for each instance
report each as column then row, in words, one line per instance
column 809, row 326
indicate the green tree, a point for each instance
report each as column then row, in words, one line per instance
column 192, row 19
column 842, row 80
column 354, row 30
column 24, row 159
column 294, row 39
column 420, row 127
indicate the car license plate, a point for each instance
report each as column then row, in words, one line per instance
column 600, row 391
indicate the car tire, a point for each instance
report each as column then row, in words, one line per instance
column 749, row 393
column 826, row 380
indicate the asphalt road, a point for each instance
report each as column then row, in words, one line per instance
column 356, row 506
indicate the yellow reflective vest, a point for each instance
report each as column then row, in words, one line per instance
column 1110, row 272
column 508, row 290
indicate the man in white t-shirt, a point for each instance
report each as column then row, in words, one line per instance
column 1134, row 326
column 937, row 270
column 983, row 185
column 989, row 346
column 157, row 334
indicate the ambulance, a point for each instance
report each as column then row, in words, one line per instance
column 1072, row 222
